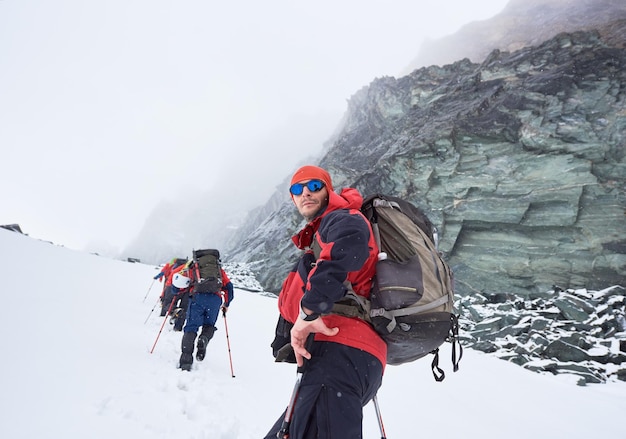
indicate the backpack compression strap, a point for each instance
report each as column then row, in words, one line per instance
column 410, row 310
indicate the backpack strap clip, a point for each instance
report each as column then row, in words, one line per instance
column 456, row 344
column 352, row 305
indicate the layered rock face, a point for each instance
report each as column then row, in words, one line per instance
column 519, row 161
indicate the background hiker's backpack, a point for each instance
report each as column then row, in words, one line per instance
column 412, row 298
column 208, row 271
column 179, row 261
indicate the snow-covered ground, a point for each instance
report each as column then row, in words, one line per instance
column 76, row 364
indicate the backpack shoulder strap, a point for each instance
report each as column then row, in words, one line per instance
column 351, row 305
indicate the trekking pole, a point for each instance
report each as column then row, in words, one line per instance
column 380, row 418
column 149, row 288
column 162, row 324
column 152, row 310
column 283, row 433
column 232, row 374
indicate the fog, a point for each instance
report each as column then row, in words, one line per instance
column 108, row 109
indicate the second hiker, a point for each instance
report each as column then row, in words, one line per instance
column 209, row 283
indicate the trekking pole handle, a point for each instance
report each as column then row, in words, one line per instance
column 283, row 433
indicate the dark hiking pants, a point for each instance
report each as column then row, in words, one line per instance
column 182, row 302
column 166, row 300
column 337, row 383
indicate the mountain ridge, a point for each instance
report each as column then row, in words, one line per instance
column 520, row 24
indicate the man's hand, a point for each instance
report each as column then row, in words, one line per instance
column 301, row 331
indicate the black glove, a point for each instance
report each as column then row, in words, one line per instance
column 281, row 346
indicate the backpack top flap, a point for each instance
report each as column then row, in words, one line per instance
column 211, row 251
column 376, row 201
column 209, row 271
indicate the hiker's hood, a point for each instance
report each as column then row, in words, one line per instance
column 349, row 198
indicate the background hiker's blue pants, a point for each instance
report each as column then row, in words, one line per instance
column 203, row 310
column 337, row 383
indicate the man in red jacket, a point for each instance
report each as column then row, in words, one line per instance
column 345, row 362
column 167, row 272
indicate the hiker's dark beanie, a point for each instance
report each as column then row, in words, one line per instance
column 310, row 172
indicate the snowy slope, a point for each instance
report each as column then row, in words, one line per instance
column 77, row 364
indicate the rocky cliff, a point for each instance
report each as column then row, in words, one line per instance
column 519, row 160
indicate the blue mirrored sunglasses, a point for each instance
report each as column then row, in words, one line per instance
column 311, row 185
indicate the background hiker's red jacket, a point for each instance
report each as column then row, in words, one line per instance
column 165, row 272
column 348, row 253
column 169, row 276
column 168, row 272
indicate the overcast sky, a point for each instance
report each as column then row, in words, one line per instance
column 108, row 107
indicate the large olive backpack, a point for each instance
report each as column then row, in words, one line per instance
column 208, row 278
column 412, row 297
